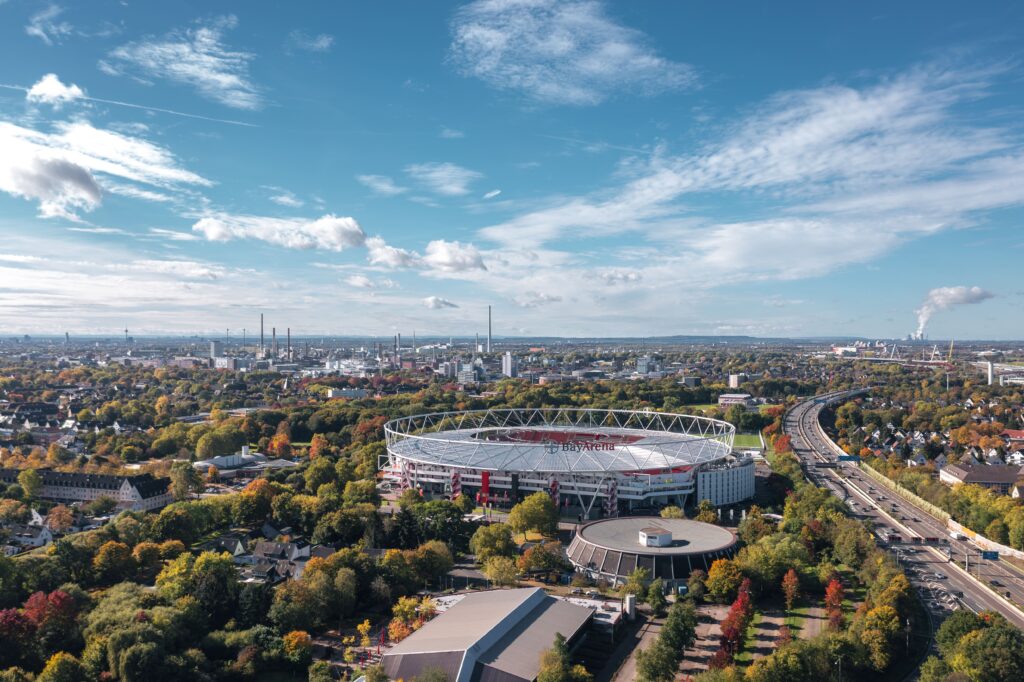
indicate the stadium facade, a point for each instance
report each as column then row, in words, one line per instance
column 598, row 462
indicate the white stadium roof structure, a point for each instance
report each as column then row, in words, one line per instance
column 576, row 440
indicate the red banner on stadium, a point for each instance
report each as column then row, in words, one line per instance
column 485, row 484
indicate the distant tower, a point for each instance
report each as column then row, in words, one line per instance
column 261, row 335
column 67, row 339
column 488, row 329
column 126, row 336
column 398, row 342
column 476, row 349
column 289, row 344
column 991, row 373
column 413, row 340
column 273, row 341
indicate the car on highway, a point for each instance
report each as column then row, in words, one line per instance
column 995, row 583
column 939, row 576
column 916, row 520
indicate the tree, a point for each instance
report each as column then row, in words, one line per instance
column 31, row 482
column 537, row 512
column 298, row 647
column 556, row 664
column 706, row 512
column 834, row 597
column 501, row 570
column 432, row 674
column 656, row 595
column 672, row 512
column 695, row 587
column 991, row 654
column 13, row 511
column 113, row 562
column 790, row 587
column 318, row 446
column 62, row 667
column 953, row 629
column 320, row 671
column 636, row 584
column 723, row 579
column 185, row 480
column 364, row 633
column 492, row 540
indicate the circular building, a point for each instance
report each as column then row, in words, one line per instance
column 669, row 549
column 622, row 458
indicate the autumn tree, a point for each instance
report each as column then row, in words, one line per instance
column 706, row 512
column 723, row 579
column 113, row 562
column 537, row 513
column 31, row 483
column 790, row 587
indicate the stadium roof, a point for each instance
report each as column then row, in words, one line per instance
column 560, row 440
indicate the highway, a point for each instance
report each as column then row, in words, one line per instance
column 943, row 584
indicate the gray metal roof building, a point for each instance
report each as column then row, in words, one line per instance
column 494, row 636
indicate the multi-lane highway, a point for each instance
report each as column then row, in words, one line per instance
column 944, row 585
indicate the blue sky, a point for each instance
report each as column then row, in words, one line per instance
column 586, row 168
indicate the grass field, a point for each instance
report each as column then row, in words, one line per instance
column 747, row 440
column 746, row 653
column 687, row 409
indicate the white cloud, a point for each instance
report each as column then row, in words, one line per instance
column 381, row 184
column 534, row 299
column 493, row 193
column 185, row 269
column 448, row 179
column 451, row 134
column 558, row 52
column 174, row 235
column 438, row 303
column 46, row 25
column 446, row 256
column 197, row 58
column 359, row 282
column 321, row 42
column 98, row 230
column 67, row 170
column 50, row 90
column 329, row 232
column 380, row 253
column 285, row 198
column 614, row 277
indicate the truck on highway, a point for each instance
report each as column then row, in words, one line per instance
column 957, row 535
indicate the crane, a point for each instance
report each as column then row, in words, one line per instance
column 949, row 358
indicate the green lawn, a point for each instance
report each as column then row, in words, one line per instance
column 795, row 619
column 698, row 408
column 746, row 653
column 747, row 440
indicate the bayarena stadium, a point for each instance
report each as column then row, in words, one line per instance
column 594, row 463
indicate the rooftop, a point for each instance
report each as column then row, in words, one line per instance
column 688, row 537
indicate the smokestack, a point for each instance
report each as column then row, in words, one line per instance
column 488, row 329
column 398, row 348
column 476, row 349
column 413, row 340
column 261, row 335
column 289, row 344
column 991, row 373
column 67, row 338
column 273, row 341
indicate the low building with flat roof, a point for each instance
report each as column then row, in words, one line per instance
column 670, row 549
column 494, row 636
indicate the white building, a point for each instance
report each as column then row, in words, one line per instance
column 509, row 365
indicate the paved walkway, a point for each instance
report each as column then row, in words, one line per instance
column 696, row 658
column 635, row 640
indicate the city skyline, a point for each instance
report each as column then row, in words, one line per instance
column 588, row 169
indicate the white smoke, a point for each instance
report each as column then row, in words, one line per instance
column 944, row 298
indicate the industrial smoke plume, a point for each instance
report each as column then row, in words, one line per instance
column 944, row 298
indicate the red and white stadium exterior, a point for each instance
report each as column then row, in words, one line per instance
column 624, row 458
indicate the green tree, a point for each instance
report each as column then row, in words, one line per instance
column 656, row 595
column 492, row 540
column 695, row 587
column 953, row 629
column 991, row 654
column 185, row 480
column 320, row 671
column 637, row 583
column 501, row 570
column 31, row 482
column 723, row 579
column 537, row 513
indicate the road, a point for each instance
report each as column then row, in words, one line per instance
column 943, row 584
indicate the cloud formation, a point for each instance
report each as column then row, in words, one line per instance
column 448, row 179
column 328, row 233
column 445, row 256
column 381, row 253
column 381, row 184
column 559, row 52
column 46, row 25
column 301, row 40
column 438, row 303
column 50, row 90
column 196, row 57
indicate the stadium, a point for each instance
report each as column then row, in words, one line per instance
column 592, row 462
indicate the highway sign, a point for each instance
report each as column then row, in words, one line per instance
column 991, row 556
column 849, row 458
